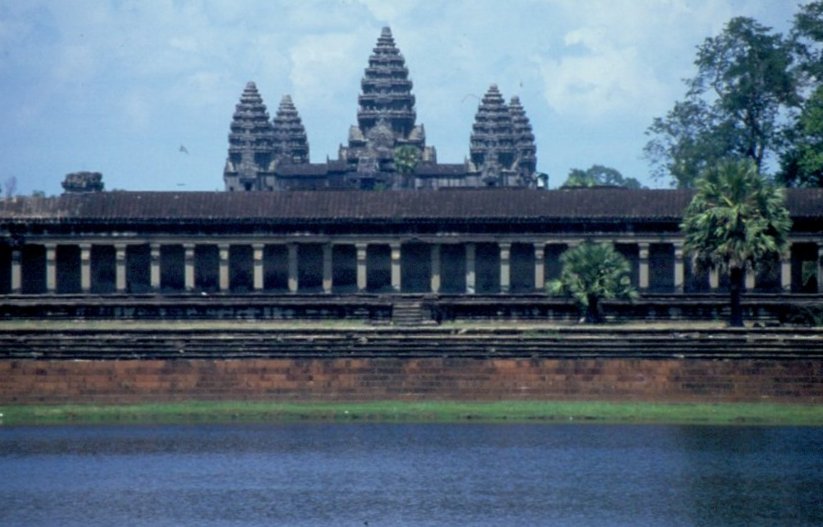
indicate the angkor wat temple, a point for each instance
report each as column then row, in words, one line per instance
column 273, row 154
column 475, row 240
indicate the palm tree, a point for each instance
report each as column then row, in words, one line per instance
column 735, row 221
column 593, row 273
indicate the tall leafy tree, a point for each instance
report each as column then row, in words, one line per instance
column 736, row 221
column 807, row 39
column 599, row 175
column 733, row 107
column 593, row 273
column 802, row 160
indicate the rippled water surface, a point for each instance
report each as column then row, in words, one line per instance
column 410, row 474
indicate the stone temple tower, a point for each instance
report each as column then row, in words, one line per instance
column 525, row 149
column 290, row 143
column 385, row 119
column 251, row 145
column 502, row 150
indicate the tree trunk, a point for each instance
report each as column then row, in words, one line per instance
column 593, row 310
column 736, row 289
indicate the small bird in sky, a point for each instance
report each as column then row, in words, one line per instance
column 183, row 149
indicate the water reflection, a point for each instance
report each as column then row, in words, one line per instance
column 410, row 474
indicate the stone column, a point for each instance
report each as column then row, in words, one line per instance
column 749, row 279
column 820, row 266
column 293, row 279
column 154, row 274
column 362, row 270
column 16, row 271
column 257, row 256
column 435, row 268
column 120, row 267
column 786, row 270
column 327, row 268
column 395, row 267
column 539, row 267
column 679, row 269
column 223, row 267
column 505, row 267
column 85, row 267
column 714, row 279
column 470, row 268
column 188, row 266
column 51, row 268
column 643, row 261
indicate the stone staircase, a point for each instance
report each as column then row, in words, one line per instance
column 409, row 312
column 429, row 341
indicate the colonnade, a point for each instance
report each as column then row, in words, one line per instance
column 413, row 266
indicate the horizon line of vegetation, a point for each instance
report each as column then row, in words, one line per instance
column 398, row 411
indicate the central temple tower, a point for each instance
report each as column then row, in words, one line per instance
column 386, row 149
column 385, row 120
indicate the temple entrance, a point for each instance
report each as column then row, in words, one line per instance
column 453, row 268
column 171, row 268
column 276, row 268
column 33, row 262
column 415, row 267
column 103, row 269
column 310, row 267
column 207, row 268
column 696, row 278
column 521, row 259
column 67, row 260
column 661, row 267
column 5, row 269
column 631, row 252
column 378, row 268
column 804, row 268
column 344, row 268
column 138, row 268
column 241, row 268
column 487, row 268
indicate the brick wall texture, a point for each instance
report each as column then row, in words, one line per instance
column 124, row 381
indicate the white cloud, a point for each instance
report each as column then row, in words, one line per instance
column 598, row 77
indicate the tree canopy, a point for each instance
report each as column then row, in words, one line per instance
column 593, row 273
column 802, row 159
column 599, row 175
column 734, row 222
column 734, row 105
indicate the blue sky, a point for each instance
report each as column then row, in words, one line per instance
column 118, row 86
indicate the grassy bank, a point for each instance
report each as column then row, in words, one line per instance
column 434, row 411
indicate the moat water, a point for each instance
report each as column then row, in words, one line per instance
column 410, row 475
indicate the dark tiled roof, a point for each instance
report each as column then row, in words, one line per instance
column 478, row 205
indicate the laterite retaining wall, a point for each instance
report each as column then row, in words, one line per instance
column 316, row 379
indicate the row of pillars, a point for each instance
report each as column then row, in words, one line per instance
column 361, row 267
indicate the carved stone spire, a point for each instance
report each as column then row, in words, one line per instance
column 525, row 148
column 290, row 144
column 386, row 89
column 251, row 143
column 492, row 138
column 385, row 120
